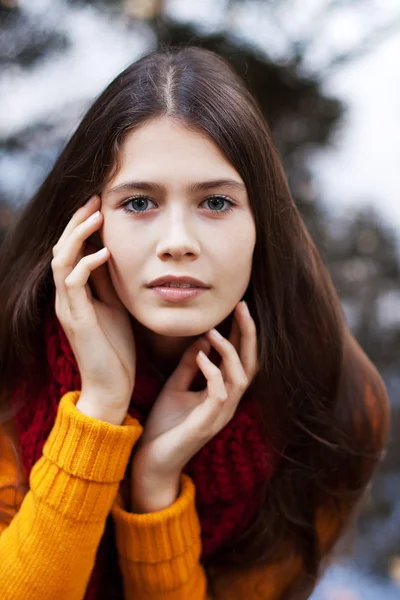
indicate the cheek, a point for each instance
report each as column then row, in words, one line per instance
column 125, row 254
column 114, row 229
column 237, row 250
column 117, row 236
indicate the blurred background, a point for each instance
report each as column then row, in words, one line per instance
column 326, row 73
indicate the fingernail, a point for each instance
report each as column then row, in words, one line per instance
column 216, row 334
column 202, row 355
column 94, row 216
column 246, row 308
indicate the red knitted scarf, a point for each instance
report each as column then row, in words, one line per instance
column 229, row 472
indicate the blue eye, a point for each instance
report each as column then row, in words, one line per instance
column 139, row 199
column 144, row 199
column 221, row 199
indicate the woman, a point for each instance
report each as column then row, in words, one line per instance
column 133, row 465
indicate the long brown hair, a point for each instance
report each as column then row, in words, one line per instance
column 313, row 377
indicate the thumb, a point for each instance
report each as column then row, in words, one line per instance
column 187, row 368
column 100, row 281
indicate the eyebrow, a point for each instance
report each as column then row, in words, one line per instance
column 193, row 187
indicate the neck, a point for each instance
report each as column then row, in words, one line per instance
column 164, row 352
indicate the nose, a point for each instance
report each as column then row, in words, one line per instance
column 177, row 238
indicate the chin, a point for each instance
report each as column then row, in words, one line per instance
column 178, row 326
column 178, row 331
column 179, row 321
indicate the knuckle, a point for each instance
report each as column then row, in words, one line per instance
column 69, row 283
column 55, row 263
column 222, row 397
column 243, row 383
column 77, row 234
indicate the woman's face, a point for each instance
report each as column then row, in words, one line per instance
column 172, row 230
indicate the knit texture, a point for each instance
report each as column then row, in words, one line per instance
column 229, row 472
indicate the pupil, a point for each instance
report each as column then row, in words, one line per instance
column 217, row 200
column 140, row 201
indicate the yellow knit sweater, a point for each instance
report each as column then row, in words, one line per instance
column 48, row 547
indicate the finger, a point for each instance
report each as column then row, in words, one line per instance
column 206, row 419
column 248, row 342
column 76, row 281
column 234, row 339
column 183, row 375
column 100, row 281
column 205, row 416
column 78, row 217
column 235, row 374
column 70, row 253
column 235, row 334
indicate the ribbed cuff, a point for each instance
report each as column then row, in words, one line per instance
column 163, row 535
column 88, row 448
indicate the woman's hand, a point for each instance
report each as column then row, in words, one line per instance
column 99, row 330
column 182, row 422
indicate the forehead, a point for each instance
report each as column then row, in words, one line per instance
column 166, row 150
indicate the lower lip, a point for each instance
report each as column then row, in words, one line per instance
column 177, row 294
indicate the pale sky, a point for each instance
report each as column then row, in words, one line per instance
column 364, row 165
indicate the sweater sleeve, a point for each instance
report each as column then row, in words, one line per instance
column 159, row 555
column 159, row 552
column 48, row 547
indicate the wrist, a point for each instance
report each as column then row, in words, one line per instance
column 154, row 498
column 95, row 410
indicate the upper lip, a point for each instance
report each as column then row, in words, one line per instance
column 177, row 279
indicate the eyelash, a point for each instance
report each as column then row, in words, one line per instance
column 124, row 205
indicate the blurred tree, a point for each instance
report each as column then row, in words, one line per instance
column 24, row 42
column 362, row 257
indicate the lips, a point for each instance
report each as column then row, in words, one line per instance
column 174, row 294
column 178, row 287
column 170, row 280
